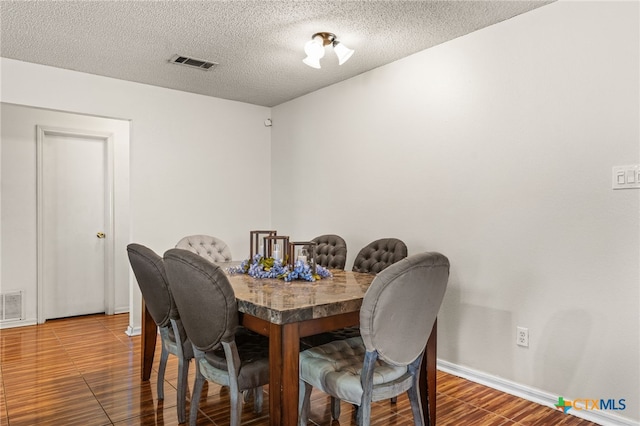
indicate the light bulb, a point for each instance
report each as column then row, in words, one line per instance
column 314, row 48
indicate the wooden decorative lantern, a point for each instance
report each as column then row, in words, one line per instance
column 310, row 246
column 256, row 242
column 277, row 247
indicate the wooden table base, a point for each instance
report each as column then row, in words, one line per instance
column 149, row 336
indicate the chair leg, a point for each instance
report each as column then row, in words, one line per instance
column 233, row 368
column 416, row 406
column 414, row 394
column 364, row 413
column 258, row 397
column 195, row 396
column 304, row 403
column 236, row 408
column 183, row 374
column 161, row 369
column 366, row 380
column 335, row 408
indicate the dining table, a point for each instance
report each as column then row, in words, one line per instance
column 288, row 311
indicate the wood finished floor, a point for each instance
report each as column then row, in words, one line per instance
column 86, row 371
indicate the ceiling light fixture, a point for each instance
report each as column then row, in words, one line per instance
column 314, row 49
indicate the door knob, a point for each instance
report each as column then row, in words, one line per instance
column 100, row 235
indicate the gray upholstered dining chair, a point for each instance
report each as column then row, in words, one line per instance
column 149, row 271
column 211, row 248
column 209, row 310
column 397, row 314
column 371, row 259
column 379, row 254
column 331, row 251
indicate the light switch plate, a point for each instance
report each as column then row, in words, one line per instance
column 626, row 177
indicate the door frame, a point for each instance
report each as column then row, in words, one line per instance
column 109, row 291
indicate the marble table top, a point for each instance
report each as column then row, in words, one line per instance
column 281, row 302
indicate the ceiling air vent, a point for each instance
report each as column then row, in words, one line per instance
column 192, row 62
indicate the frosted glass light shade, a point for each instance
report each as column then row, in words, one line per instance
column 312, row 62
column 342, row 52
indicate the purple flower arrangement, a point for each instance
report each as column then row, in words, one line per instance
column 261, row 267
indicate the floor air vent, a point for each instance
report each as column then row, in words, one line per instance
column 192, row 62
column 11, row 306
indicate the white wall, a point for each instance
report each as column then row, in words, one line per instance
column 18, row 224
column 495, row 149
column 198, row 164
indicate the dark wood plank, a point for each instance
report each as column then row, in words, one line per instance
column 275, row 373
column 429, row 367
column 334, row 322
column 149, row 336
column 255, row 324
column 290, row 374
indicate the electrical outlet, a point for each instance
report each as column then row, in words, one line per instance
column 522, row 337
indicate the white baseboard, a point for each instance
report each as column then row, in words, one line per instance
column 19, row 323
column 133, row 331
column 121, row 310
column 532, row 394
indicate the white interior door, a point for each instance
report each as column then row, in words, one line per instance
column 73, row 197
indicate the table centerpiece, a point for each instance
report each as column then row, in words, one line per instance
column 268, row 267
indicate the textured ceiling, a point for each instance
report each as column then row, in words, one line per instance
column 258, row 44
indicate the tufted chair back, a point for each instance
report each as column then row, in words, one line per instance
column 331, row 251
column 211, row 248
column 379, row 254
